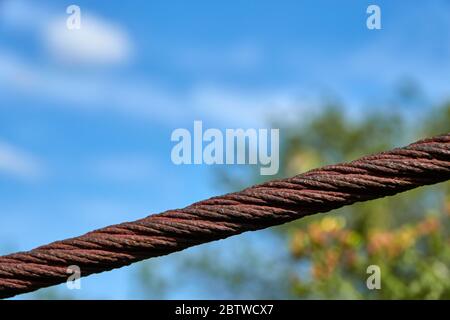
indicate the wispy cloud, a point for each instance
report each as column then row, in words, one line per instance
column 143, row 99
column 18, row 163
column 97, row 42
column 231, row 106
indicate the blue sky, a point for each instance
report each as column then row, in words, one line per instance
column 86, row 118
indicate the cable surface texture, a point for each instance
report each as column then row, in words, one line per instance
column 272, row 203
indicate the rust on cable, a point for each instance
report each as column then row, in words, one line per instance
column 272, row 203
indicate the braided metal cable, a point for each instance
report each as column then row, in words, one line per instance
column 272, row 203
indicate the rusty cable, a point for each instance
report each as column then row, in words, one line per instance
column 268, row 204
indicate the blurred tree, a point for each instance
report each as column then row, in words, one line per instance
column 407, row 236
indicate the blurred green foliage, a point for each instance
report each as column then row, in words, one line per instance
column 407, row 235
column 327, row 255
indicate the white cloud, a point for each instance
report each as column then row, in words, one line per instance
column 143, row 99
column 18, row 163
column 85, row 92
column 97, row 42
column 232, row 106
column 101, row 42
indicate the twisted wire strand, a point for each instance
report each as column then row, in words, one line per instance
column 268, row 204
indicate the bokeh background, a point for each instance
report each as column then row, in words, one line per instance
column 86, row 118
